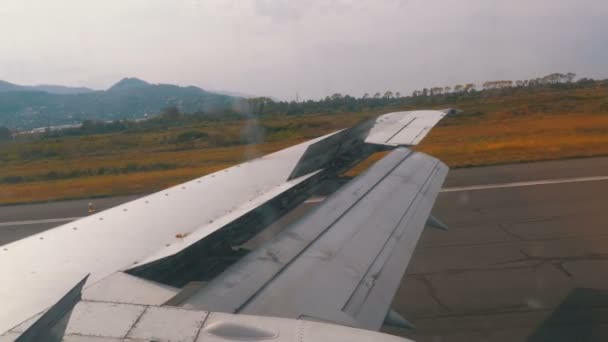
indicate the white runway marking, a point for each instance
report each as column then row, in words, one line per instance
column 320, row 199
column 520, row 184
column 23, row 223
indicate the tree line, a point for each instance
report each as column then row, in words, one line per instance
column 346, row 103
column 335, row 103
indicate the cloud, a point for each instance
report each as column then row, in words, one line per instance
column 283, row 10
column 311, row 47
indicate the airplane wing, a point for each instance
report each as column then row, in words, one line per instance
column 343, row 262
column 144, row 256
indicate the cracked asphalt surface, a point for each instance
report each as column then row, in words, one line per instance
column 518, row 264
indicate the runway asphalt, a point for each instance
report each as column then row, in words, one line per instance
column 19, row 221
column 525, row 258
column 519, row 263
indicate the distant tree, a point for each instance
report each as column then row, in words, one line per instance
column 458, row 88
column 469, row 87
column 397, row 94
column 170, row 112
column 570, row 77
column 534, row 82
column 365, row 96
column 436, row 91
column 425, row 92
column 257, row 105
column 336, row 96
column 585, row 80
column 552, row 78
column 447, row 89
column 5, row 134
column 377, row 95
column 388, row 95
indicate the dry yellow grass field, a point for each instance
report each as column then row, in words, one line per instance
column 195, row 164
column 517, row 139
column 513, row 140
column 149, row 161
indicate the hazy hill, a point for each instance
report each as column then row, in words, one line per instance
column 129, row 83
column 57, row 89
column 6, row 86
column 23, row 107
column 49, row 88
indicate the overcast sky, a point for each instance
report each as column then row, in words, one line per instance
column 313, row 48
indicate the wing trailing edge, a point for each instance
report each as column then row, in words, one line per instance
column 344, row 261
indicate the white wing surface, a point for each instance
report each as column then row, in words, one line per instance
column 351, row 251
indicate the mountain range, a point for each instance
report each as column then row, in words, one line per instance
column 26, row 107
column 49, row 88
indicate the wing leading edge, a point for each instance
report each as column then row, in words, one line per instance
column 343, row 262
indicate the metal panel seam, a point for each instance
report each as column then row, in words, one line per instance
column 257, row 292
column 388, row 240
column 202, row 326
column 401, row 129
column 136, row 321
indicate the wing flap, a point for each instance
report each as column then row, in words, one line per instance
column 386, row 274
column 344, row 261
column 230, row 290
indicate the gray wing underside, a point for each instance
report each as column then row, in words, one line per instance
column 343, row 262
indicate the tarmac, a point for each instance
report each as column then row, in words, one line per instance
column 524, row 259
